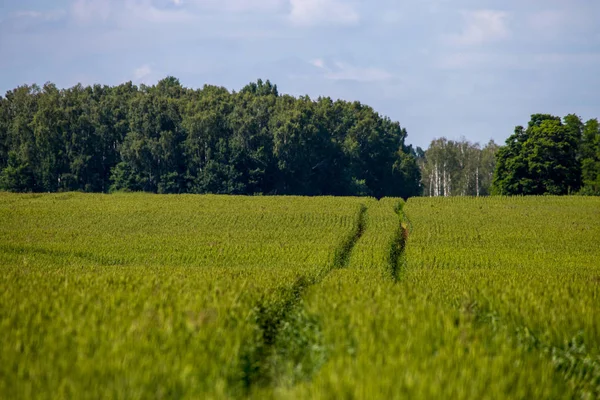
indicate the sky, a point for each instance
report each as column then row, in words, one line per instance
column 453, row 68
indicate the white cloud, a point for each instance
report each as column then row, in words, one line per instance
column 141, row 73
column 146, row 12
column 482, row 26
column 127, row 12
column 315, row 12
column 341, row 71
column 318, row 63
column 238, row 5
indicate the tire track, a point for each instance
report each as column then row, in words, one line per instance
column 398, row 246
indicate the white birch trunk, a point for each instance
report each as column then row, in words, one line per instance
column 477, row 180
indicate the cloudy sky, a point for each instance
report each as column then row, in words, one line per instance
column 472, row 68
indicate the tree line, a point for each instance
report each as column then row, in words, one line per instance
column 552, row 155
column 167, row 138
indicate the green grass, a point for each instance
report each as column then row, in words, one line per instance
column 144, row 296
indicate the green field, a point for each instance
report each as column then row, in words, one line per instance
column 140, row 296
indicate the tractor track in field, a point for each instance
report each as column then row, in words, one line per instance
column 397, row 259
column 288, row 347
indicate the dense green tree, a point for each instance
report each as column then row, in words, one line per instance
column 332, row 171
column 16, row 176
column 206, row 145
column 540, row 159
column 4, row 122
column 251, row 141
column 301, row 146
column 112, row 126
column 82, row 141
column 406, row 174
column 151, row 152
column 487, row 165
column 260, row 89
column 19, row 108
column 49, row 128
column 590, row 157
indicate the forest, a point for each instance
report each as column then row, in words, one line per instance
column 167, row 138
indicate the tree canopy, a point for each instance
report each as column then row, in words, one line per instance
column 170, row 139
column 551, row 156
column 590, row 157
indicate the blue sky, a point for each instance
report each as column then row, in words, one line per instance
column 472, row 68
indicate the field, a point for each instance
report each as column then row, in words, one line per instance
column 145, row 296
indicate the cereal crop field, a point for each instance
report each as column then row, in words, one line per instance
column 140, row 296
